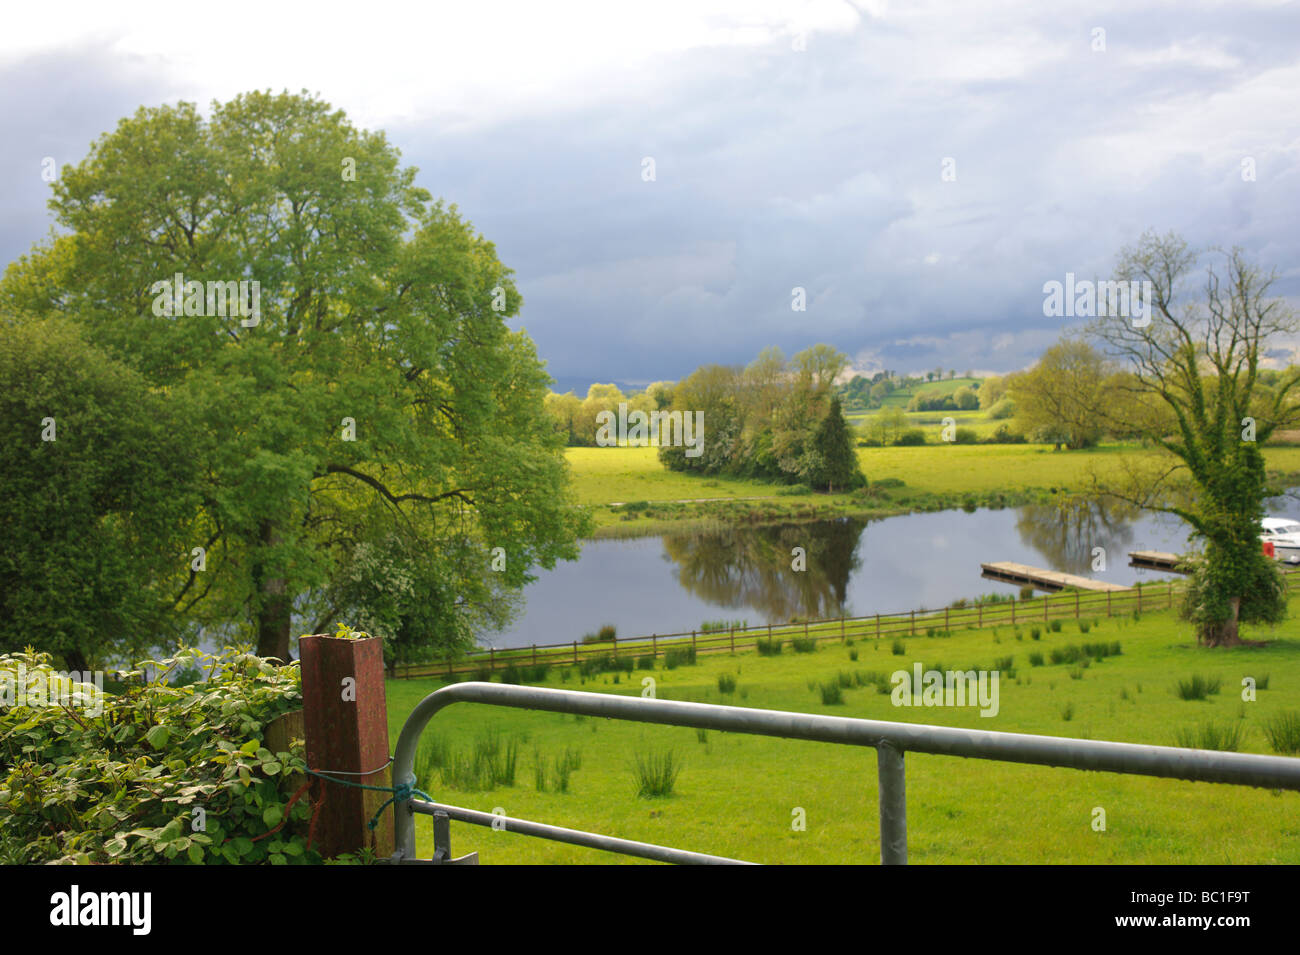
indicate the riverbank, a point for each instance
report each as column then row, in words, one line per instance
column 631, row 494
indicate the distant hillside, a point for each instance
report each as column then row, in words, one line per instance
column 855, row 395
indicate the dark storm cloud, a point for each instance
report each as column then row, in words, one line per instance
column 822, row 169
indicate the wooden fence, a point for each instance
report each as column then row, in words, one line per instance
column 1071, row 605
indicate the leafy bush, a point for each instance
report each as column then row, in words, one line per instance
column 898, row 648
column 912, row 437
column 1002, row 409
column 804, row 644
column 768, row 648
column 118, row 781
column 726, row 683
column 1003, row 434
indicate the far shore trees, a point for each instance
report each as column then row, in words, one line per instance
column 1194, row 387
column 1061, row 400
column 767, row 419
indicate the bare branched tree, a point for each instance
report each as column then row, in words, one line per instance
column 1193, row 385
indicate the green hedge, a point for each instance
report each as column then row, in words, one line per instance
column 118, row 778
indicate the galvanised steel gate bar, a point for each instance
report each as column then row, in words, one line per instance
column 890, row 740
column 575, row 837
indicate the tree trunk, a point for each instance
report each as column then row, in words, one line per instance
column 273, row 614
column 1225, row 633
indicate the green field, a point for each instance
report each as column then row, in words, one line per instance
column 736, row 793
column 933, row 475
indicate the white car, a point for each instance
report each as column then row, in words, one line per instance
column 1284, row 534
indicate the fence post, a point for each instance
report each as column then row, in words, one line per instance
column 1139, row 590
column 692, row 641
column 1170, row 587
column 345, row 728
column 1046, row 599
column 1108, row 603
column 1076, row 605
column 980, row 608
column 654, row 646
column 534, row 654
column 575, row 651
column 1013, row 610
column 945, row 618
column 893, row 805
column 492, row 659
column 841, row 628
column 877, row 626
column 733, row 638
column 913, row 623
column 805, row 628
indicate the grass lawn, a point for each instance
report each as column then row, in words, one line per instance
column 933, row 474
column 736, row 793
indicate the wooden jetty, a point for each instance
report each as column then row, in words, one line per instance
column 1042, row 579
column 1156, row 560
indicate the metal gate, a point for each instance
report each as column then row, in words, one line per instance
column 890, row 741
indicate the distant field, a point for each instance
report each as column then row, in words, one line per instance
column 605, row 475
column 737, row 793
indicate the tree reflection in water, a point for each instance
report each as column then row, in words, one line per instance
column 1066, row 532
column 751, row 566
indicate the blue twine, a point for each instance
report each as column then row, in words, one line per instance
column 402, row 792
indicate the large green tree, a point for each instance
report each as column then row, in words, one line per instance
column 99, row 490
column 1194, row 387
column 377, row 405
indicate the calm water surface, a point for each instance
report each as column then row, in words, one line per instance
column 675, row 582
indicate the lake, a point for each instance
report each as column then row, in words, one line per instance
column 855, row 567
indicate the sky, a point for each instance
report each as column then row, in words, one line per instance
column 662, row 177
